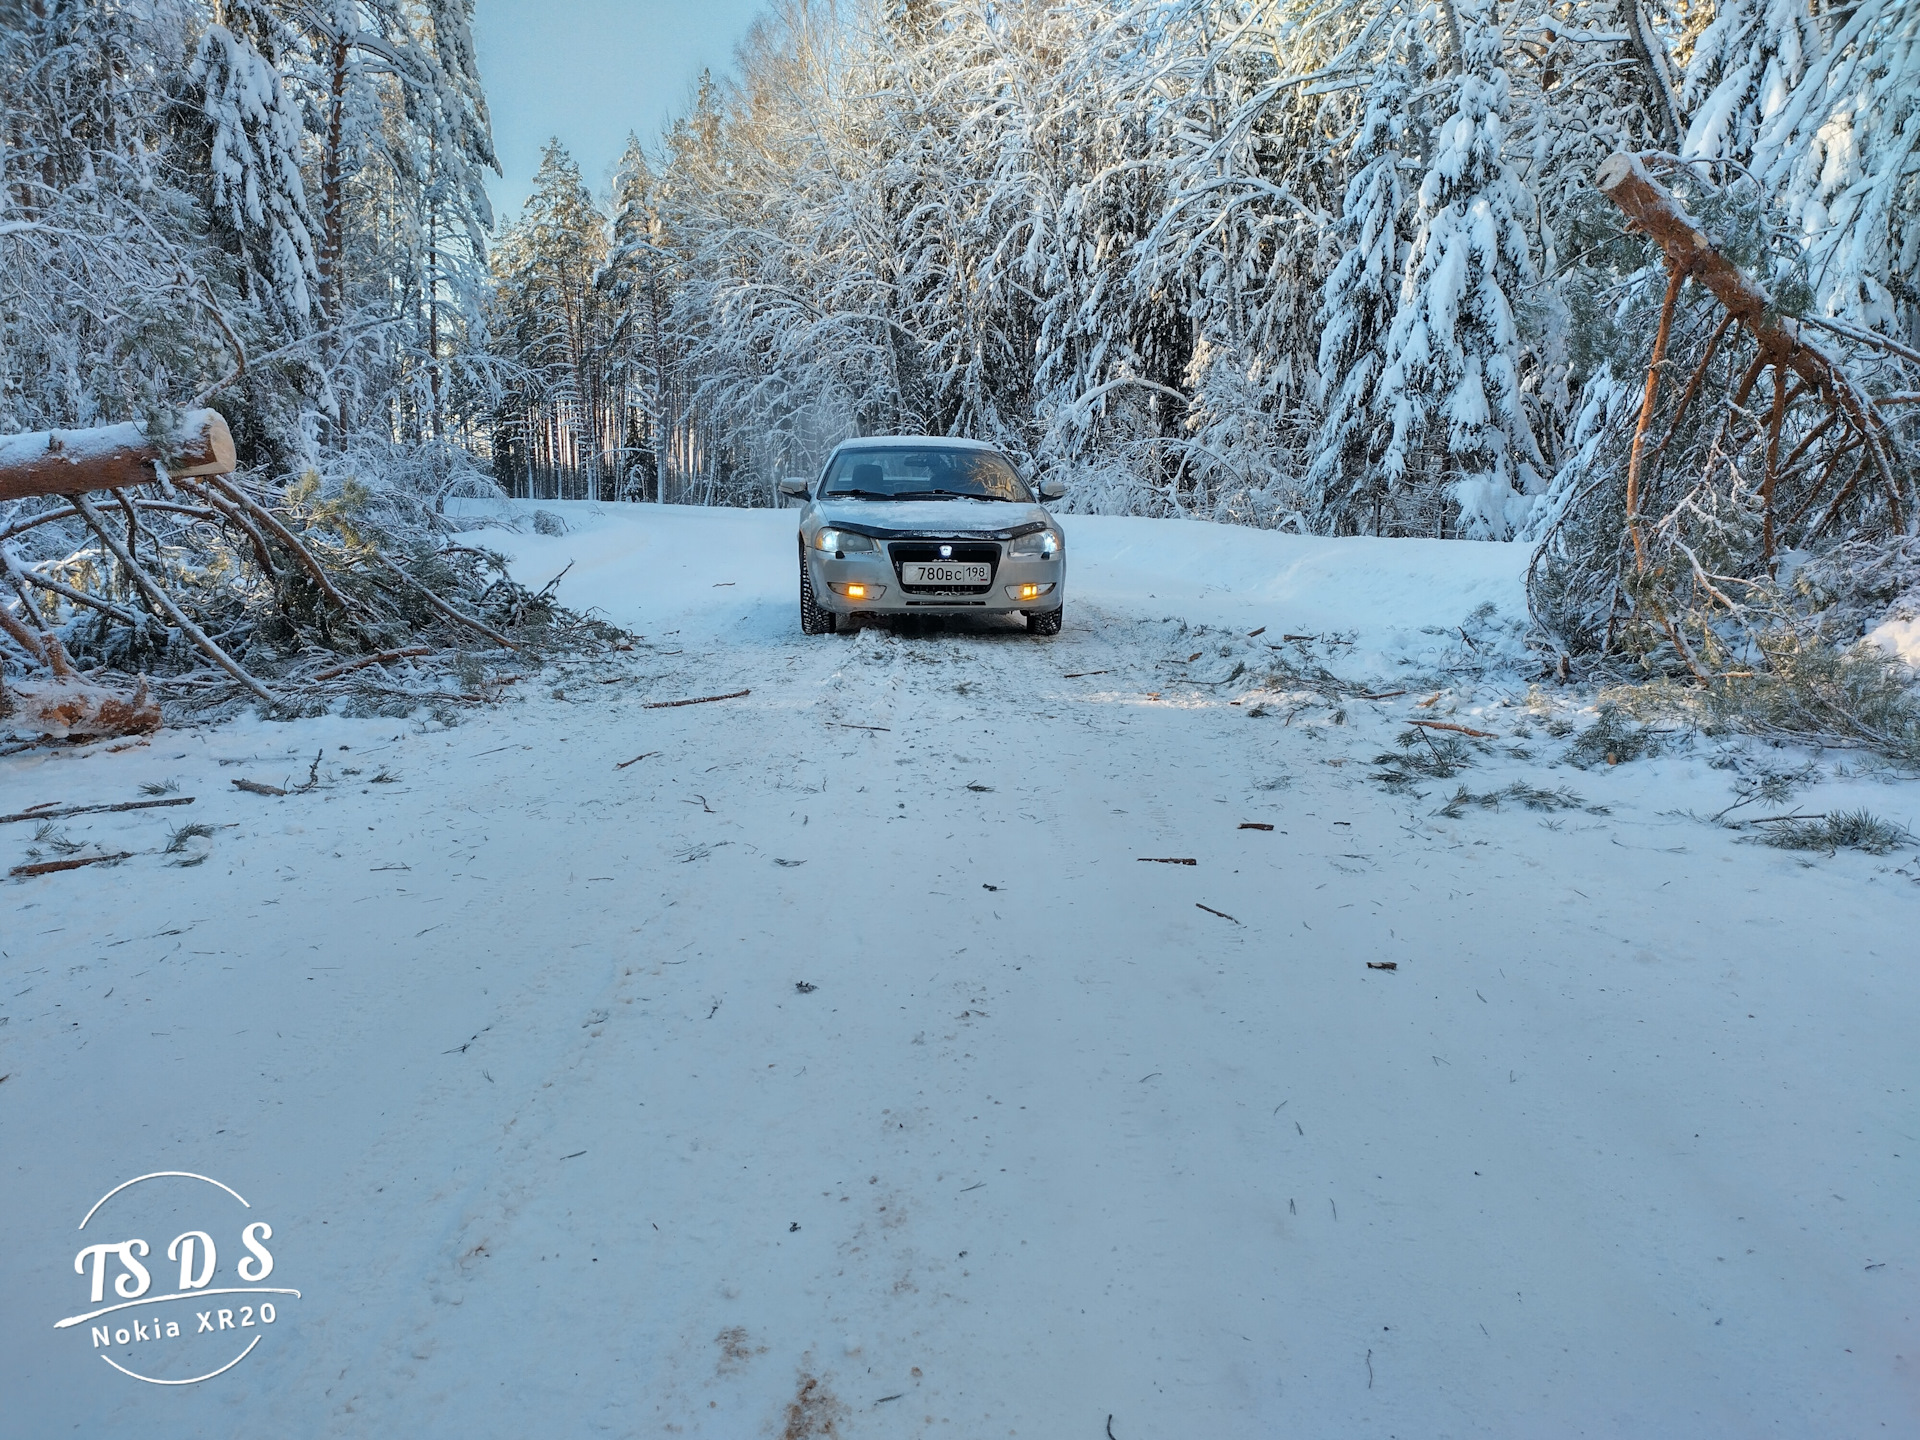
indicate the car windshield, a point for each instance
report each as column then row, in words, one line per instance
column 913, row 472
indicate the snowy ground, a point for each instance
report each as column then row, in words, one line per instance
column 511, row 1050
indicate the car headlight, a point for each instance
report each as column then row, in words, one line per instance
column 1043, row 543
column 844, row 541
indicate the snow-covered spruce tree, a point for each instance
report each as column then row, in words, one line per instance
column 1451, row 374
column 1360, row 297
column 257, row 194
column 241, row 145
column 1745, row 66
column 1845, row 153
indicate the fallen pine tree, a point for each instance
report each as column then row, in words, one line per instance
column 1735, row 515
column 136, row 567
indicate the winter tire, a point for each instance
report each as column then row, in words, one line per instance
column 1045, row 622
column 814, row 619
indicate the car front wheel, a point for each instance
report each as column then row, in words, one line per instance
column 815, row 619
column 1045, row 622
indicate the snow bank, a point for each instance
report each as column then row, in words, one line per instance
column 1385, row 593
column 1899, row 638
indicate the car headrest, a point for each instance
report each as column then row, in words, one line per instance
column 868, row 476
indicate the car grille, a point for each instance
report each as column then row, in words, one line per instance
column 902, row 551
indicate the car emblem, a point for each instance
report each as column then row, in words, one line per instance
column 946, row 552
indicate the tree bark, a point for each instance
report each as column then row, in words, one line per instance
column 1624, row 180
column 73, row 707
column 73, row 462
column 333, row 220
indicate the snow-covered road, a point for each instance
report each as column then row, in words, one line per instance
column 842, row 1069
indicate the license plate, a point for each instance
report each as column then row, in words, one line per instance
column 945, row 572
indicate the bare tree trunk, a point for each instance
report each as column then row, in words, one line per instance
column 661, row 458
column 332, row 180
column 433, row 326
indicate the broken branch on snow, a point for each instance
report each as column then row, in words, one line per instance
column 701, row 700
column 51, row 867
column 1457, row 729
column 45, row 814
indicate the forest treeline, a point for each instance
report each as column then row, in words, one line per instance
column 1339, row 268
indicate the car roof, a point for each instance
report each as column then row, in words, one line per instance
column 926, row 442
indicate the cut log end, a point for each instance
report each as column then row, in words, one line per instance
column 1615, row 169
column 62, row 708
column 206, row 445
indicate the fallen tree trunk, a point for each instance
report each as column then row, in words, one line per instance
column 73, row 707
column 1691, row 255
column 1624, row 180
column 73, row 462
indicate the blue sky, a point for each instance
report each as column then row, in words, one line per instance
column 591, row 70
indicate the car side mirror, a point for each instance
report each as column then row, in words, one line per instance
column 1053, row 489
column 794, row 487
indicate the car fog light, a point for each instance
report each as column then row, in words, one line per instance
column 1028, row 592
column 857, row 591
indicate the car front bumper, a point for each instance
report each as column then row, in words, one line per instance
column 875, row 573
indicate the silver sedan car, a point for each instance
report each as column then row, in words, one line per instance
column 916, row 525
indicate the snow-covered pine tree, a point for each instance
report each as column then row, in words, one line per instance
column 552, row 315
column 462, row 133
column 257, row 193
column 638, row 295
column 101, row 317
column 1232, row 169
column 1068, row 338
column 401, row 144
column 1451, row 378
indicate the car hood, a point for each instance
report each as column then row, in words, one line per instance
column 981, row 519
